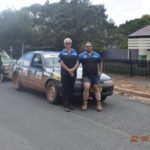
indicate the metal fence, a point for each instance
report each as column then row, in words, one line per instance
column 127, row 67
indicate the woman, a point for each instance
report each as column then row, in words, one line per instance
column 69, row 64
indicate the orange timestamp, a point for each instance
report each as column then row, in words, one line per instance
column 143, row 139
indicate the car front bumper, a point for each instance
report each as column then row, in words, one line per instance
column 107, row 90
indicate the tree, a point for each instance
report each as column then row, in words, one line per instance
column 129, row 27
column 47, row 25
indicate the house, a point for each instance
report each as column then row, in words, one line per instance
column 140, row 40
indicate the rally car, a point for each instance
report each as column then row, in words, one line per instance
column 6, row 64
column 41, row 71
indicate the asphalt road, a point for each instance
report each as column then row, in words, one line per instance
column 28, row 122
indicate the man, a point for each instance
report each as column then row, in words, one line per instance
column 69, row 64
column 92, row 70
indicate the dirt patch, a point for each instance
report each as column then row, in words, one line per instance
column 141, row 84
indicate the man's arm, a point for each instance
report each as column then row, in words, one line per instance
column 62, row 63
column 100, row 68
column 64, row 66
column 75, row 67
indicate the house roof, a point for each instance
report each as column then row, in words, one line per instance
column 144, row 32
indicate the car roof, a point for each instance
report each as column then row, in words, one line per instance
column 44, row 52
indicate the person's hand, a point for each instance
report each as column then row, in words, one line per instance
column 71, row 72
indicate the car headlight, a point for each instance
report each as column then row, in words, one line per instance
column 109, row 82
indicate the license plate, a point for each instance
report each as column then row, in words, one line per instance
column 92, row 89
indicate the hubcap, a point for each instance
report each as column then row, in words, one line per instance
column 51, row 93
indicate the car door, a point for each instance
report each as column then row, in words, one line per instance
column 36, row 80
column 23, row 69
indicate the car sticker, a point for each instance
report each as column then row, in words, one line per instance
column 56, row 76
column 25, row 72
column 20, row 72
column 46, row 74
column 33, row 72
column 39, row 75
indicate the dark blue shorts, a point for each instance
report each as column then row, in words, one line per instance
column 94, row 80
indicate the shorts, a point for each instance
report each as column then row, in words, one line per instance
column 94, row 80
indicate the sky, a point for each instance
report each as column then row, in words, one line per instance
column 118, row 10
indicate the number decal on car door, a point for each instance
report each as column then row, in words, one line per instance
column 25, row 72
column 39, row 75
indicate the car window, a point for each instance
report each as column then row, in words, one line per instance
column 20, row 62
column 56, row 62
column 27, row 59
column 36, row 60
column 51, row 60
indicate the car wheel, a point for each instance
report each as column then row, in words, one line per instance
column 1, row 77
column 52, row 92
column 16, row 82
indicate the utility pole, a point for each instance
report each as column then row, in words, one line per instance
column 22, row 49
column 11, row 51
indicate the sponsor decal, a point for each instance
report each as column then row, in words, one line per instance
column 20, row 72
column 95, row 56
column 56, row 76
column 25, row 72
column 75, row 54
column 32, row 72
column 64, row 53
column 46, row 74
column 39, row 75
column 85, row 56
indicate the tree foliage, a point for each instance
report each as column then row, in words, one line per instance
column 129, row 27
column 47, row 25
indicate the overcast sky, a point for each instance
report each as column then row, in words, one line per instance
column 118, row 10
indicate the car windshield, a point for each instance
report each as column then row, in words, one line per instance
column 51, row 60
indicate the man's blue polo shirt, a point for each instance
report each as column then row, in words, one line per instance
column 90, row 63
column 69, row 58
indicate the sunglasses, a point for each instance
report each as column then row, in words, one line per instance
column 88, row 46
column 68, row 43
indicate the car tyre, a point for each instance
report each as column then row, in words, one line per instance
column 16, row 82
column 52, row 92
